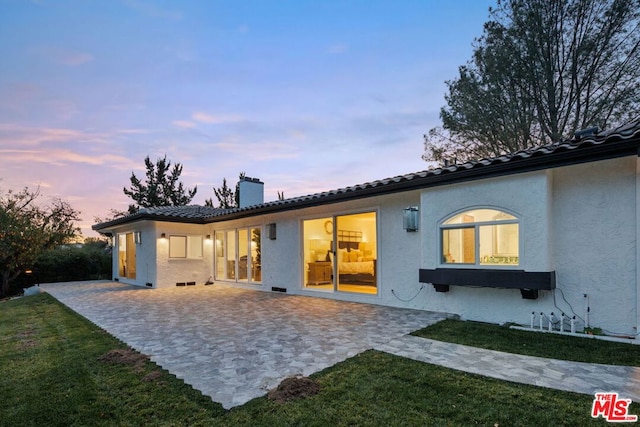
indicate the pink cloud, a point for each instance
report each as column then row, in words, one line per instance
column 16, row 135
column 216, row 119
column 62, row 157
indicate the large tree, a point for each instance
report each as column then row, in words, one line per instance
column 161, row 187
column 28, row 228
column 541, row 70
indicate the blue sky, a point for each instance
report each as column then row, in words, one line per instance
column 308, row 96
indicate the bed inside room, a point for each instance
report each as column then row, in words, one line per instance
column 355, row 259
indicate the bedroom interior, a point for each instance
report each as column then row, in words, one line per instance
column 340, row 253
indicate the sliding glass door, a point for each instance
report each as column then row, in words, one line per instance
column 340, row 253
column 238, row 255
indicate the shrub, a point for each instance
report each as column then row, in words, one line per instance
column 68, row 263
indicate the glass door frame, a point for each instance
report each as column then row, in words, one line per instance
column 228, row 264
column 310, row 275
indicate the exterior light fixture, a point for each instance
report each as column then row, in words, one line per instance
column 208, row 237
column 163, row 236
column 410, row 218
column 271, row 231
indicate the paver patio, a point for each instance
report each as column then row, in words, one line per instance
column 234, row 344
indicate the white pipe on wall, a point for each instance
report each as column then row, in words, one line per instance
column 533, row 318
column 586, row 310
column 541, row 318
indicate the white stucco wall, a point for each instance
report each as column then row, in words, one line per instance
column 580, row 221
column 170, row 271
column 145, row 253
column 528, row 197
column 595, row 241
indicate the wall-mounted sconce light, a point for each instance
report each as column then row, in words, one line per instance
column 208, row 237
column 271, row 231
column 163, row 236
column 137, row 238
column 410, row 218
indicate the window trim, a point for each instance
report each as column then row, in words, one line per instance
column 476, row 227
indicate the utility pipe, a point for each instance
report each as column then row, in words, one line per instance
column 533, row 318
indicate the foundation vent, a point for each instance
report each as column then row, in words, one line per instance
column 276, row 289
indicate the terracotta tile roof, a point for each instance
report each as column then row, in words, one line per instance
column 621, row 141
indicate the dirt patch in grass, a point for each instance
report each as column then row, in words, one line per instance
column 294, row 388
column 26, row 340
column 27, row 333
column 152, row 376
column 27, row 344
column 125, row 356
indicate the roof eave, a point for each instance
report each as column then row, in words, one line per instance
column 145, row 217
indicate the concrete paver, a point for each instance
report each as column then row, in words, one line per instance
column 586, row 378
column 235, row 344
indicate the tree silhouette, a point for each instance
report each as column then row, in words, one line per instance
column 542, row 70
column 27, row 229
column 161, row 187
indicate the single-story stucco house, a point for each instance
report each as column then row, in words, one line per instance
column 550, row 229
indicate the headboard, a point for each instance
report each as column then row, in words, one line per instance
column 349, row 239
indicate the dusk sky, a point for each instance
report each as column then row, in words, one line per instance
column 308, row 96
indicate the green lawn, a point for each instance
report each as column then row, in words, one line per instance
column 54, row 372
column 501, row 338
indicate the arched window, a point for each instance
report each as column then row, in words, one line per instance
column 481, row 237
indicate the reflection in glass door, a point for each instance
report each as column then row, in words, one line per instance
column 230, row 255
column 256, row 254
column 220, row 264
column 243, row 255
column 340, row 253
